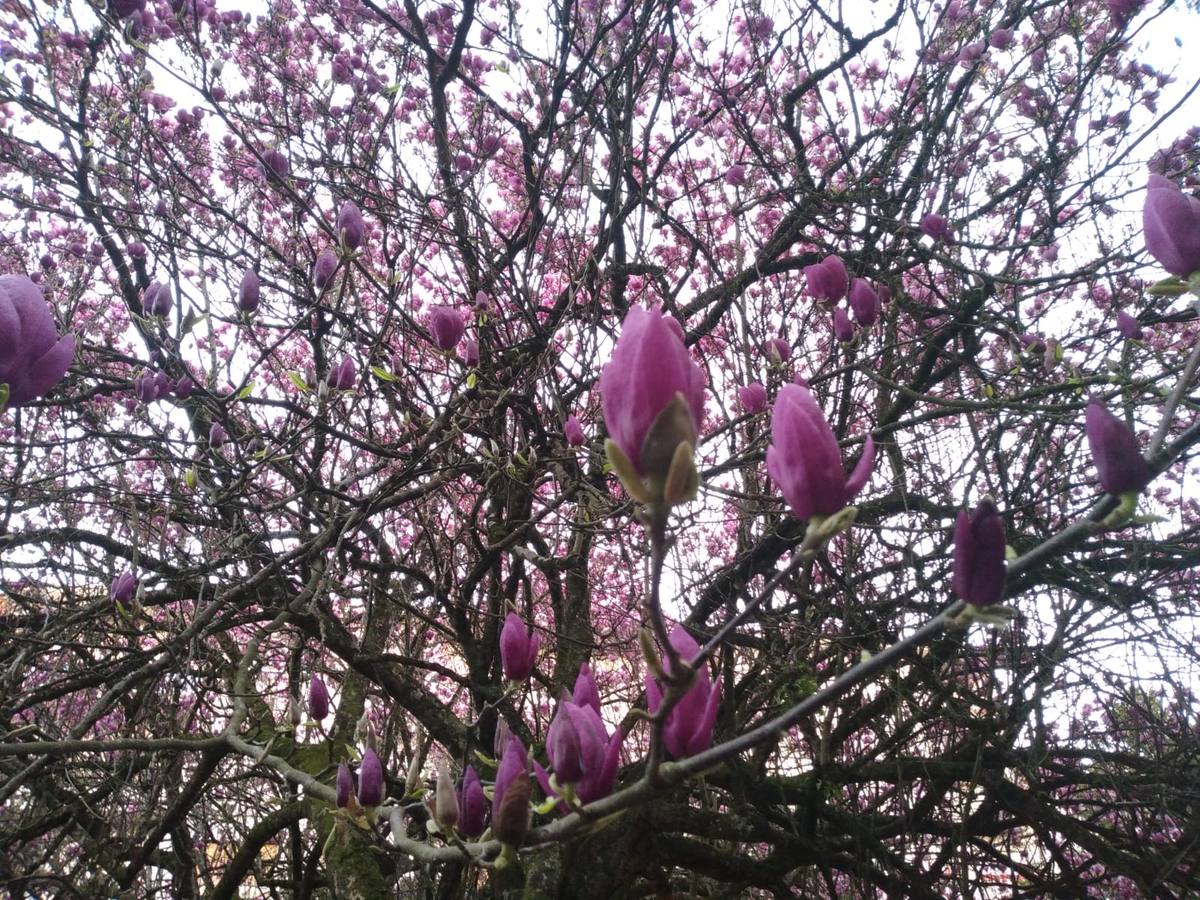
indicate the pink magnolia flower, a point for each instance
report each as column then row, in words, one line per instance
column 324, row 269
column 1171, row 224
column 843, row 328
column 936, row 227
column 471, row 805
column 1119, row 460
column 581, row 753
column 1128, row 326
column 689, row 726
column 470, row 352
column 511, row 793
column 649, row 367
column 345, row 786
column 248, row 291
column 350, row 225
column 518, row 648
column 156, row 300
column 573, row 432
column 446, row 326
column 778, row 350
column 828, row 279
column 123, row 587
column 753, row 397
column 33, row 358
column 979, row 545
column 370, row 780
column 865, row 302
column 586, row 693
column 804, row 458
column 318, row 698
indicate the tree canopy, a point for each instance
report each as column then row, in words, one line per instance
column 599, row 450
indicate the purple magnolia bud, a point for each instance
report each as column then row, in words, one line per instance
column 804, row 458
column 137, row 250
column 345, row 786
column 778, row 350
column 510, row 796
column 445, row 801
column 1119, row 460
column 970, row 53
column 936, row 227
column 753, row 397
column 828, row 279
column 318, row 698
column 735, row 175
column 370, row 780
column 573, row 432
column 274, row 166
column 843, row 328
column 217, row 436
column 123, row 9
column 1129, row 327
column 1033, row 343
column 501, row 738
column 144, row 388
column 1171, row 224
column 184, row 387
column 489, row 145
column 350, row 225
column 576, row 742
column 865, row 302
column 123, row 587
column 156, row 300
column 446, row 327
column 1001, row 38
column 343, row 376
column 689, row 727
column 248, row 291
column 162, row 385
column 470, row 352
column 471, row 805
column 323, row 269
column 518, row 648
column 979, row 543
column 33, row 357
column 650, row 367
column 586, row 693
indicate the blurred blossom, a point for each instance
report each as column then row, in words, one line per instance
column 33, row 357
column 936, row 227
column 753, row 397
column 828, row 279
column 1119, row 461
column 573, row 431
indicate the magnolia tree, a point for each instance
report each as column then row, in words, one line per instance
column 431, row 433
